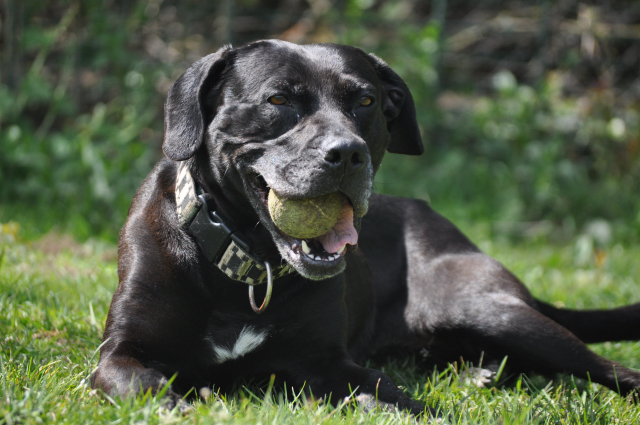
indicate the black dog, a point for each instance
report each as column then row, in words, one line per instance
column 305, row 121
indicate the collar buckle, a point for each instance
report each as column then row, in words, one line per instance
column 213, row 233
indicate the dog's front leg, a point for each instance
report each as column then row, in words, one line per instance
column 121, row 375
column 368, row 387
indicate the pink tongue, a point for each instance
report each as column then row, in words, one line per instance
column 342, row 232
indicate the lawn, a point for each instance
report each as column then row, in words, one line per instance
column 55, row 294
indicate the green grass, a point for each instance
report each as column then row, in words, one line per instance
column 55, row 294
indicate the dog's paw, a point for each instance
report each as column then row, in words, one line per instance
column 172, row 401
column 479, row 377
column 368, row 403
column 421, row 414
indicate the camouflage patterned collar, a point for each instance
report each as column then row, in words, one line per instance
column 220, row 241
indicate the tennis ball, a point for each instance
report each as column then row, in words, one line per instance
column 305, row 218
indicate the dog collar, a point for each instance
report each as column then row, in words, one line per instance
column 221, row 242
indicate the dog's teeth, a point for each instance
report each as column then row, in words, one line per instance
column 341, row 250
column 318, row 258
column 305, row 247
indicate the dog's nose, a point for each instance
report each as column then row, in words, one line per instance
column 347, row 156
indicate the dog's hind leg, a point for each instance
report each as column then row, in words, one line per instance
column 510, row 326
column 618, row 324
column 471, row 300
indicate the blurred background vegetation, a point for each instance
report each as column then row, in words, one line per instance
column 530, row 111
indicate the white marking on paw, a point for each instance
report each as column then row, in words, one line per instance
column 248, row 340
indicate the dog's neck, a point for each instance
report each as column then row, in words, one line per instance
column 220, row 240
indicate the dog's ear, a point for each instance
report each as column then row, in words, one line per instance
column 399, row 109
column 184, row 111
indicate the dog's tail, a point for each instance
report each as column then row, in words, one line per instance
column 618, row 324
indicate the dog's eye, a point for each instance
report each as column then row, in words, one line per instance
column 365, row 101
column 279, row 100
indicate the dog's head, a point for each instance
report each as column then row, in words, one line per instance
column 303, row 121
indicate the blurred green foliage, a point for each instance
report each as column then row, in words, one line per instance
column 81, row 126
column 77, row 129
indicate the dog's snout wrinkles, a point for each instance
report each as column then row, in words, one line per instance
column 347, row 156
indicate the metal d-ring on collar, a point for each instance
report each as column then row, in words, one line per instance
column 267, row 296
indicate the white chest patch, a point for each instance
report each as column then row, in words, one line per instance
column 248, row 340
